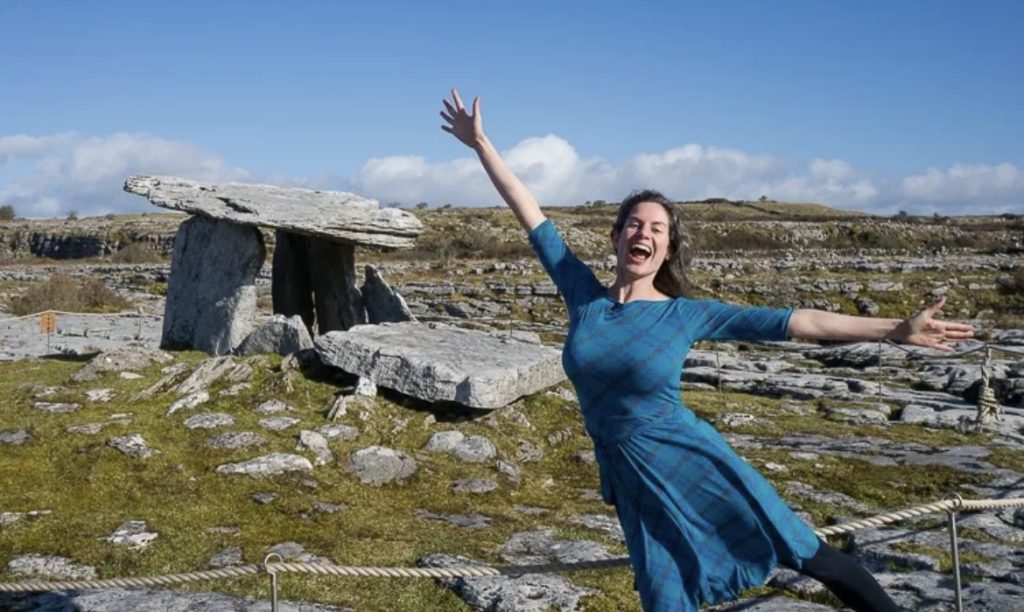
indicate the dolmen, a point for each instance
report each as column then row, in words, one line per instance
column 218, row 252
column 367, row 331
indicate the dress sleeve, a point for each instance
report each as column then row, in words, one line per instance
column 575, row 281
column 714, row 320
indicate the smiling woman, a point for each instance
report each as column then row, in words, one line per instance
column 700, row 523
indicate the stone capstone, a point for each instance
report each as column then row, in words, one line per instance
column 281, row 335
column 439, row 363
column 378, row 465
column 211, row 294
column 334, row 215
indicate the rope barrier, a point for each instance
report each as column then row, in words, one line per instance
column 79, row 314
column 326, row 569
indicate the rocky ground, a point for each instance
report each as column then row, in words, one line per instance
column 143, row 462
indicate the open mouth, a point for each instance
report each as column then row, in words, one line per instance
column 639, row 253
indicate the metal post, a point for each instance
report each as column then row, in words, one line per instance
column 879, row 370
column 273, row 580
column 954, row 546
column 718, row 367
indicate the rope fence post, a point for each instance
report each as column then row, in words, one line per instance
column 880, row 373
column 273, row 579
column 954, row 547
column 718, row 367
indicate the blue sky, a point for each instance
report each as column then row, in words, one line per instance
column 876, row 106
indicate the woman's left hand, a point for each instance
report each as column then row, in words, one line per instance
column 923, row 329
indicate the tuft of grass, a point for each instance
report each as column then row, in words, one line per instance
column 62, row 291
column 136, row 253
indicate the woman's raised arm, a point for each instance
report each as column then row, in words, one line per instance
column 469, row 129
column 923, row 329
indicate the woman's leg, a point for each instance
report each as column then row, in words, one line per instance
column 848, row 580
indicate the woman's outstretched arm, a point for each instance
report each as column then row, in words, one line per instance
column 923, row 329
column 469, row 129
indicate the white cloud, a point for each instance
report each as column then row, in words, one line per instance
column 51, row 175
column 966, row 188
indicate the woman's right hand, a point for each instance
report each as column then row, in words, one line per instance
column 469, row 129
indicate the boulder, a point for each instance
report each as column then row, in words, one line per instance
column 267, row 465
column 282, row 335
column 441, row 363
column 378, row 465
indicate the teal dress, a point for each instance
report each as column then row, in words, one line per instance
column 701, row 524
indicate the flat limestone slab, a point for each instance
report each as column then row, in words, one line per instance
column 442, row 363
column 334, row 215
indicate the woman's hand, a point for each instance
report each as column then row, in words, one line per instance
column 923, row 329
column 469, row 129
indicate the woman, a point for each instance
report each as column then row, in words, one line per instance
column 700, row 523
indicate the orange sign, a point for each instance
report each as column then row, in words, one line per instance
column 48, row 322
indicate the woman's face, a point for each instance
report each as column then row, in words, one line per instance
column 643, row 244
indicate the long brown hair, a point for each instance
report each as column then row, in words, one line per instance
column 671, row 279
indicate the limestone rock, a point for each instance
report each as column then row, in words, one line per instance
column 267, row 465
column 235, row 440
column 343, row 433
column 189, row 402
column 282, row 335
column 14, row 437
column 127, row 358
column 478, row 369
column 132, row 534
column 48, row 566
column 383, row 304
column 465, row 521
column 209, row 420
column 227, row 557
column 279, row 423
column 56, row 407
column 211, row 295
column 378, row 465
column 478, row 486
column 526, row 593
column 340, row 216
column 273, row 407
column 316, row 444
column 132, row 600
column 132, row 445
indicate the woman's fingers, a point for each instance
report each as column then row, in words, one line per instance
column 447, row 129
column 451, row 109
column 458, row 100
column 476, row 106
column 446, row 117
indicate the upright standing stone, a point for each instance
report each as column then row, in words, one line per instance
column 211, row 295
column 290, row 284
column 315, row 278
column 383, row 304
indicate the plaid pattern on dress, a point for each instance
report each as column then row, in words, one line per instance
column 701, row 524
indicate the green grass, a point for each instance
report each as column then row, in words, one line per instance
column 92, row 488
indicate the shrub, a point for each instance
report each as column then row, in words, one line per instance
column 136, row 253
column 72, row 215
column 7, row 213
column 61, row 291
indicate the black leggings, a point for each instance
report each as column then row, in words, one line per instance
column 848, row 580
